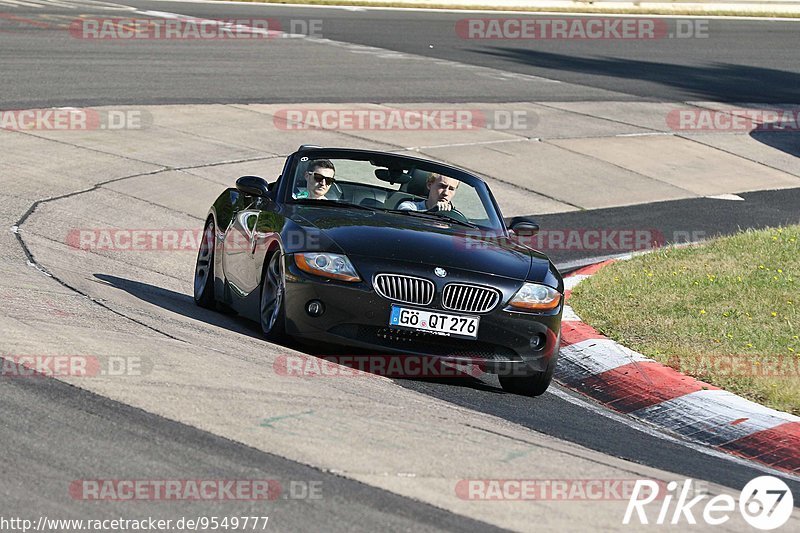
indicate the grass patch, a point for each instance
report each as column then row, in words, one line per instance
column 726, row 312
column 489, row 7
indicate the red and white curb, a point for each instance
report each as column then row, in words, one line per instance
column 632, row 384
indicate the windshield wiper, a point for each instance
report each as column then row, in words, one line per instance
column 434, row 216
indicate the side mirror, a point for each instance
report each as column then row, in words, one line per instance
column 524, row 226
column 252, row 185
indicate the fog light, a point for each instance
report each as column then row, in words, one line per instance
column 538, row 341
column 315, row 308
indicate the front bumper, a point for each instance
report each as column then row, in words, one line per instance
column 356, row 316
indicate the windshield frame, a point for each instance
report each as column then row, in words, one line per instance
column 496, row 221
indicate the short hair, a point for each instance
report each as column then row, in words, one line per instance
column 435, row 175
column 321, row 163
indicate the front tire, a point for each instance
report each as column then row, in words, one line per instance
column 204, row 268
column 531, row 385
column 272, row 307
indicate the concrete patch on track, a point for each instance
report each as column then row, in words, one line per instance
column 593, row 183
column 682, row 163
column 213, row 371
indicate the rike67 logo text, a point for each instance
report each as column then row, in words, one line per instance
column 765, row 503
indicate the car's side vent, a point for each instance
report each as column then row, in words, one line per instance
column 469, row 298
column 405, row 289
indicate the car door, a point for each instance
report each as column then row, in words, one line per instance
column 266, row 236
column 237, row 251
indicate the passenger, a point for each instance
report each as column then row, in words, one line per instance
column 319, row 178
column 441, row 190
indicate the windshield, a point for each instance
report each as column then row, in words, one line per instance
column 408, row 190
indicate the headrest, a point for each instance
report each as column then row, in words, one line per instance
column 418, row 184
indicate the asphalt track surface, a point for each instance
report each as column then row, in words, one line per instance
column 43, row 67
column 738, row 61
column 97, row 434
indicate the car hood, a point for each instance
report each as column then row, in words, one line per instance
column 401, row 237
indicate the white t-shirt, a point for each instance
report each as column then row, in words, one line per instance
column 411, row 205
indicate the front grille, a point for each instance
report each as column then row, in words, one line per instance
column 427, row 343
column 469, row 298
column 405, row 289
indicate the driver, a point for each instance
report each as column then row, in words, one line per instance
column 319, row 178
column 441, row 190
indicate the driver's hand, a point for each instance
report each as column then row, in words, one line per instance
column 444, row 205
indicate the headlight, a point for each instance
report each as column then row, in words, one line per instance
column 535, row 297
column 335, row 266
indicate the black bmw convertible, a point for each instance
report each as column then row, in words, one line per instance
column 385, row 253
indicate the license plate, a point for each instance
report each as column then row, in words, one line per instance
column 435, row 322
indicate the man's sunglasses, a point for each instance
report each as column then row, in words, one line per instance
column 320, row 178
